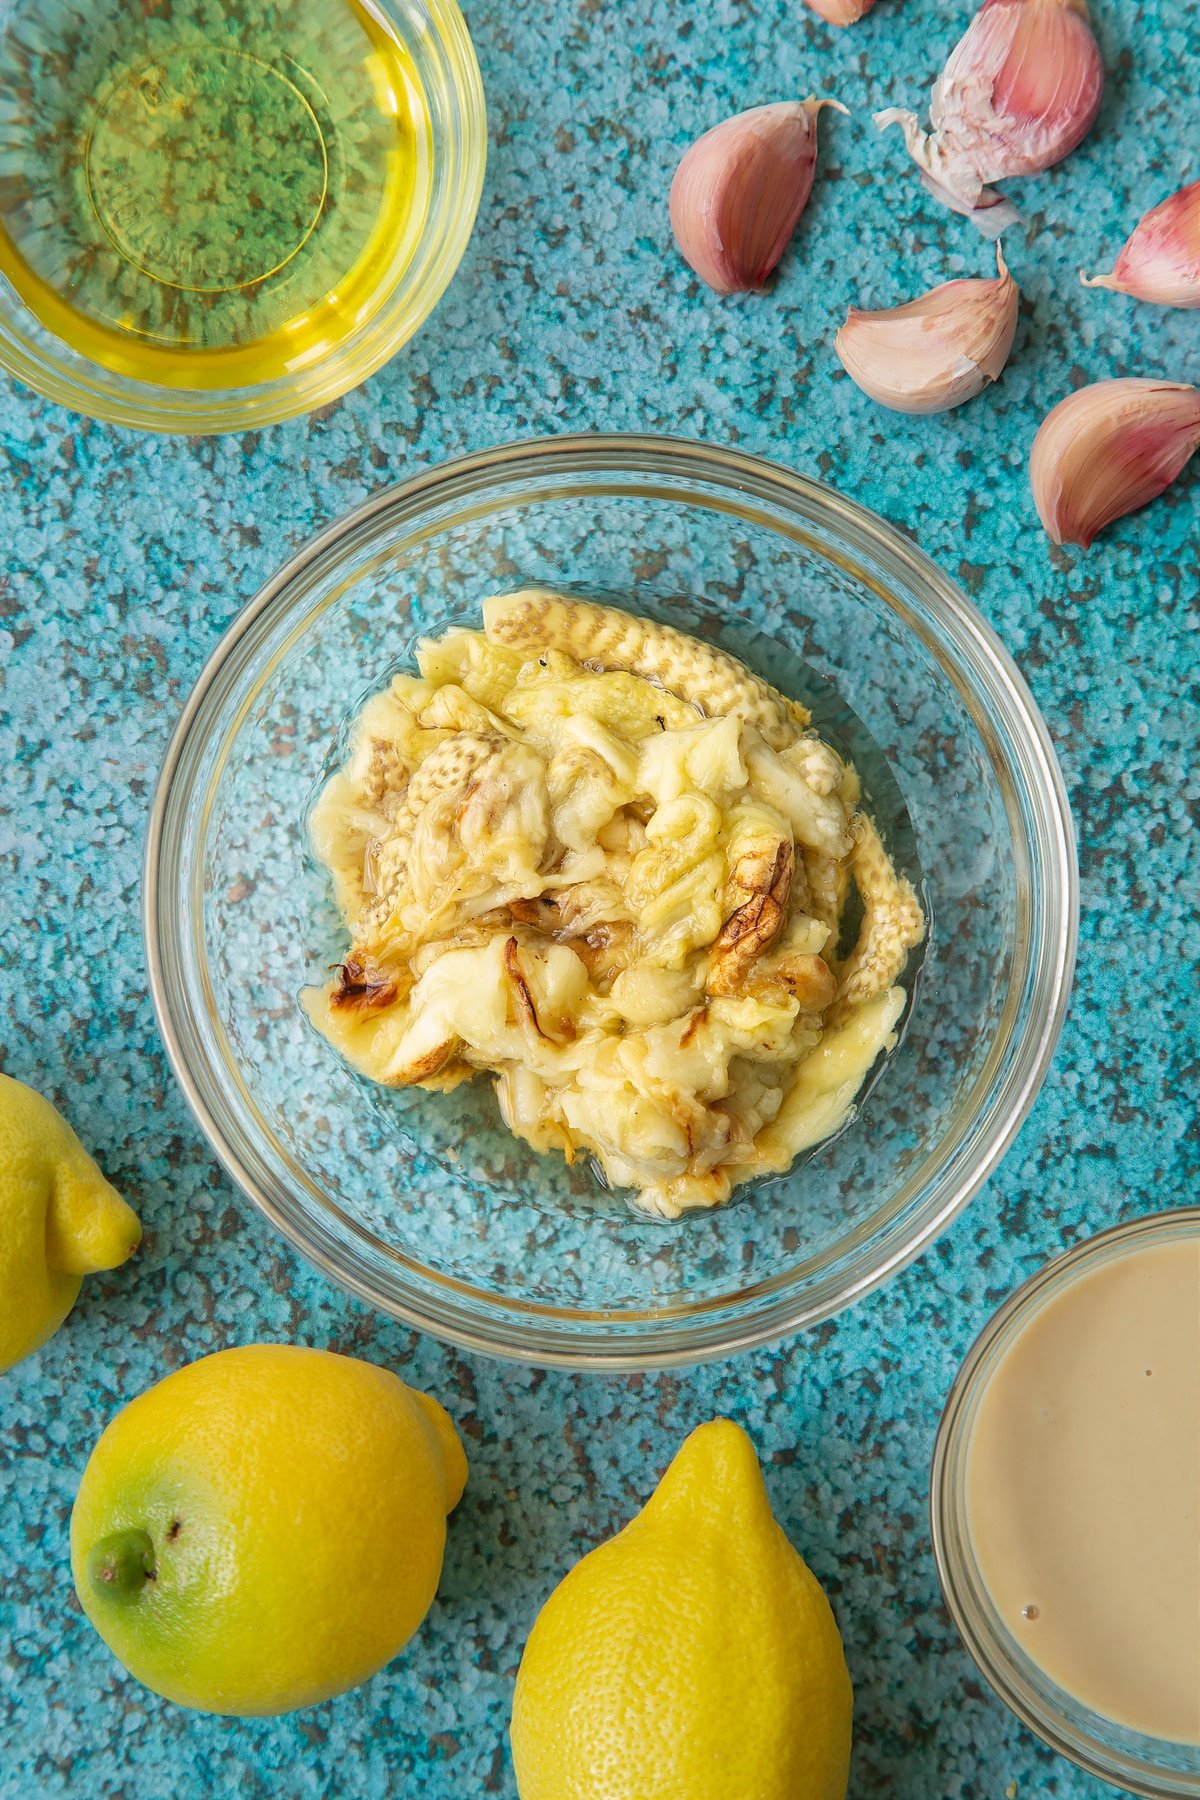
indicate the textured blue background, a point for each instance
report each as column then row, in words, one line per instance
column 124, row 558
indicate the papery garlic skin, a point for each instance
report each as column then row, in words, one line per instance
column 1108, row 449
column 1021, row 89
column 938, row 350
column 841, row 12
column 1160, row 260
column 740, row 189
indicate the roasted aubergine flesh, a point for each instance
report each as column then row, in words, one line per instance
column 606, row 863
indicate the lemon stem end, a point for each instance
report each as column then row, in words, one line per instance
column 122, row 1564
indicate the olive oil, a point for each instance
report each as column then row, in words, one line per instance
column 207, row 193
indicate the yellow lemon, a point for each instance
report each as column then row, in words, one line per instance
column 59, row 1221
column 265, row 1527
column 692, row 1657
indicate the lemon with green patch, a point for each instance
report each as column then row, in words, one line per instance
column 265, row 1528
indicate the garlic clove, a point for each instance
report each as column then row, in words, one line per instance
column 740, row 189
column 1021, row 89
column 937, row 351
column 1160, row 260
column 1108, row 449
column 841, row 12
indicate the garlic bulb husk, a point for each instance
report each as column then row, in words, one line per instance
column 740, row 189
column 1021, row 89
column 989, row 211
column 841, row 12
column 1108, row 449
column 1160, row 260
column 938, row 350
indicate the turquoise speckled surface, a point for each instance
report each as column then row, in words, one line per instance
column 124, row 558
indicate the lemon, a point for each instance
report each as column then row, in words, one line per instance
column 265, row 1527
column 692, row 1657
column 59, row 1221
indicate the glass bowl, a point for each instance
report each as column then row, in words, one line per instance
column 450, row 183
column 423, row 1204
column 1127, row 1758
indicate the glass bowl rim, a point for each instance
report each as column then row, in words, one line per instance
column 85, row 387
column 548, row 1335
column 982, row 1631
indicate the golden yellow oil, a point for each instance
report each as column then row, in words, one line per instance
column 207, row 193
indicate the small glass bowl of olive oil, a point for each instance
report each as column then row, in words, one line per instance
column 215, row 214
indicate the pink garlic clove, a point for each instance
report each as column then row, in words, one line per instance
column 1160, row 260
column 841, row 12
column 1021, row 89
column 739, row 192
column 1108, row 449
column 938, row 350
